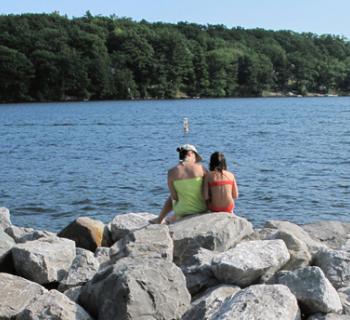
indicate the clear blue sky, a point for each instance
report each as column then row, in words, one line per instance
column 317, row 16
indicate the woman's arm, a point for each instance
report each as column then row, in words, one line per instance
column 206, row 191
column 234, row 189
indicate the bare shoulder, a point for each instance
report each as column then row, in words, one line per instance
column 229, row 175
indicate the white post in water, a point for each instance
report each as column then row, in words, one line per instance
column 186, row 125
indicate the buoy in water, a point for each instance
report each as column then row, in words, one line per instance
column 186, row 125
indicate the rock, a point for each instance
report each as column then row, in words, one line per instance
column 216, row 232
column 250, row 260
column 329, row 316
column 5, row 220
column 346, row 246
column 83, row 268
column 199, row 275
column 265, row 302
column 332, row 233
column 298, row 232
column 153, row 241
column 299, row 253
column 22, row 235
column 265, row 233
column 344, row 295
column 53, row 305
column 137, row 289
column 121, row 225
column 211, row 300
column 102, row 254
column 336, row 266
column 45, row 260
column 16, row 294
column 87, row 233
column 312, row 289
column 73, row 293
column 6, row 244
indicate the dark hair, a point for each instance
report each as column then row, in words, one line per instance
column 217, row 162
column 182, row 153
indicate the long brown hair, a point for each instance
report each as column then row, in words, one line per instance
column 217, row 162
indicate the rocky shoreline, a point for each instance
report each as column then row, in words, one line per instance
column 211, row 266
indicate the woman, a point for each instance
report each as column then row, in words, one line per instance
column 185, row 182
column 220, row 187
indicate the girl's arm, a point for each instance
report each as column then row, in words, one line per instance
column 234, row 189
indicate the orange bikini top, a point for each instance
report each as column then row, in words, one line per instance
column 220, row 183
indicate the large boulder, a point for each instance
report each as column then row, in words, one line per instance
column 344, row 295
column 73, row 293
column 122, row 224
column 53, row 305
column 136, row 288
column 298, row 232
column 272, row 302
column 87, row 233
column 16, row 294
column 210, row 301
column 21, row 234
column 153, row 241
column 45, row 260
column 336, row 266
column 199, row 274
column 312, row 289
column 299, row 253
column 329, row 316
column 332, row 233
column 5, row 220
column 83, row 268
column 6, row 244
column 250, row 260
column 217, row 232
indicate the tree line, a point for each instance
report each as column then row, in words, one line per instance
column 49, row 57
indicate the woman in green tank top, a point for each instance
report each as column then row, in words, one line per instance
column 185, row 182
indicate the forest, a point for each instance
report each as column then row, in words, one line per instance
column 50, row 57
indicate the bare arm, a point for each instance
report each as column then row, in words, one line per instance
column 206, row 188
column 234, row 189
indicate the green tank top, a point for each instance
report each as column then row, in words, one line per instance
column 190, row 197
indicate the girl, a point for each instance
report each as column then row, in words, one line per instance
column 220, row 187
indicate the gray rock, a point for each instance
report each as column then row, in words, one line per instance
column 83, row 268
column 22, row 235
column 298, row 232
column 16, row 294
column 216, row 232
column 329, row 316
column 250, row 260
column 73, row 293
column 137, row 289
column 121, row 225
column 210, row 301
column 53, row 305
column 265, row 233
column 102, row 254
column 153, row 241
column 312, row 289
column 346, row 246
column 332, row 233
column 45, row 260
column 259, row 302
column 344, row 295
column 336, row 266
column 6, row 244
column 299, row 253
column 5, row 220
column 199, row 275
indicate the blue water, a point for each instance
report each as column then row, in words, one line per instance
column 291, row 156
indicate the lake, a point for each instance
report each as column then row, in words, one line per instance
column 290, row 156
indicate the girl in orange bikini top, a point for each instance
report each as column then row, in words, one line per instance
column 220, row 187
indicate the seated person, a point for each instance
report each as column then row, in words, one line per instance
column 185, row 182
column 220, row 188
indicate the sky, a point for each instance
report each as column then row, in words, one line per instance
column 316, row 16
